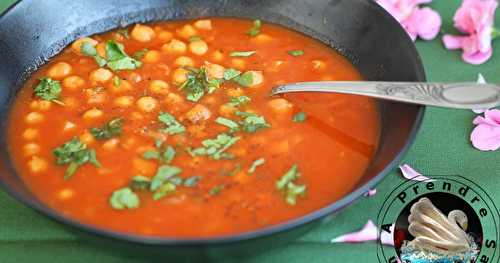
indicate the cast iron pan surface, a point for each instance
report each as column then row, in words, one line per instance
column 32, row 31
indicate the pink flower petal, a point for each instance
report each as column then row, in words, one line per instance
column 370, row 192
column 486, row 135
column 425, row 22
column 410, row 173
column 453, row 42
column 477, row 58
column 369, row 232
column 480, row 80
column 493, row 115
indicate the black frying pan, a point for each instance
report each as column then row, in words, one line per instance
column 33, row 31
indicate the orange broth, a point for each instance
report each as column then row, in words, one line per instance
column 331, row 147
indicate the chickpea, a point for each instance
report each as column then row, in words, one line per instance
column 134, row 77
column 31, row 149
column 235, row 92
column 174, row 99
column 238, row 63
column 136, row 116
column 30, row 134
column 37, row 164
column 226, row 110
column 186, row 31
column 198, row 113
column 204, row 24
column 41, row 105
column 280, row 105
column 124, row 101
column 184, row 61
column 214, row 71
column 59, row 70
column 152, row 56
column 77, row 45
column 142, row 33
column 92, row 114
column 101, row 49
column 165, row 36
column 71, row 102
column 101, row 75
column 262, row 39
column 144, row 167
column 174, row 47
column 124, row 86
column 147, row 104
column 158, row 87
column 180, row 75
column 34, row 118
column 275, row 66
column 257, row 77
column 318, row 64
column 218, row 55
column 65, row 194
column 110, row 144
column 68, row 126
column 198, row 47
column 87, row 138
column 73, row 83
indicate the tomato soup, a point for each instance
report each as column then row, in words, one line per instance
column 168, row 129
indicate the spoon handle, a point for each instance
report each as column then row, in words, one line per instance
column 448, row 95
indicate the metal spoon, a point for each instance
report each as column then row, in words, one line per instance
column 447, row 95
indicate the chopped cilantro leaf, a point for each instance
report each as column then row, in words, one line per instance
column 116, row 81
column 163, row 190
column 140, row 54
column 48, row 89
column 74, row 153
column 215, row 148
column 242, row 53
column 150, row 155
column 111, row 129
column 232, row 125
column 140, row 182
column 198, row 83
column 245, row 79
column 173, row 126
column 191, row 181
column 299, row 117
column 252, row 122
column 255, row 29
column 88, row 49
column 231, row 73
column 296, row 53
column 287, row 185
column 255, row 164
column 118, row 59
column 216, row 189
column 163, row 155
column 163, row 174
column 124, row 198
column 238, row 101
column 123, row 32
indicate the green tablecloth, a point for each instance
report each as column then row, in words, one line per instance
column 442, row 147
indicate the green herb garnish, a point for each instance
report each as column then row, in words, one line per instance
column 255, row 164
column 245, row 79
column 124, row 198
column 123, row 32
column 116, row 81
column 140, row 54
column 216, row 190
column 198, row 83
column 88, row 49
column 286, row 184
column 162, row 154
column 75, row 153
column 296, row 53
column 164, row 190
column 48, row 89
column 118, row 59
column 242, row 53
column 215, row 148
column 255, row 29
column 111, row 129
column 252, row 122
column 231, row 73
column 232, row 125
column 299, row 117
column 238, row 101
column 173, row 126
column 140, row 182
column 191, row 181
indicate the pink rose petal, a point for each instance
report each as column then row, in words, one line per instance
column 370, row 192
column 486, row 135
column 410, row 173
column 369, row 232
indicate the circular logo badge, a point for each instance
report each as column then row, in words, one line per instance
column 446, row 219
